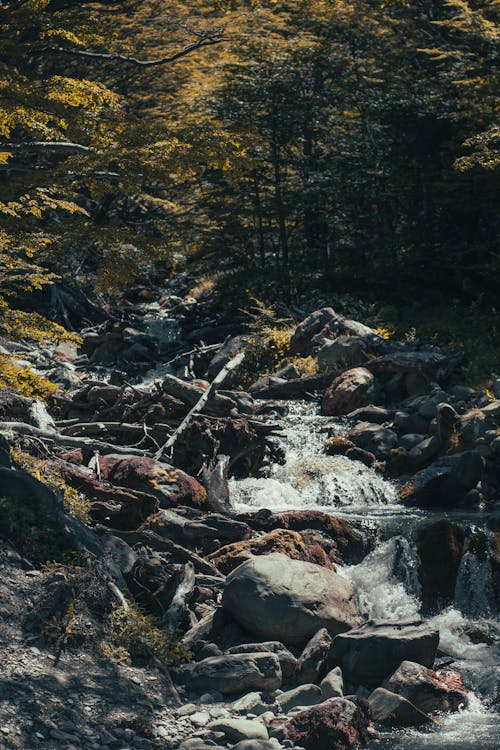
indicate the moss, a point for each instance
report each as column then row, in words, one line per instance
column 137, row 637
column 23, row 380
column 75, row 503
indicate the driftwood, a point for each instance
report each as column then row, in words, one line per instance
column 215, row 481
column 218, row 380
column 158, row 543
column 174, row 614
column 21, row 428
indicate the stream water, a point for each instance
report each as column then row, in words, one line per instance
column 387, row 579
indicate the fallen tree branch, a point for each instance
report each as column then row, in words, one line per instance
column 218, row 380
column 46, row 146
column 21, row 428
column 206, row 41
column 161, row 544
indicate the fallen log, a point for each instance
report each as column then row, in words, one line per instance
column 231, row 365
column 11, row 429
column 160, row 544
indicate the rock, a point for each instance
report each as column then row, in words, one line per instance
column 351, row 545
column 289, row 543
column 226, row 352
column 372, row 413
column 407, row 423
column 288, row 600
column 342, row 353
column 440, row 546
column 394, row 710
column 171, row 486
column 431, row 363
column 255, row 745
column 332, row 686
column 428, row 689
column 287, row 660
column 235, row 673
column 252, row 703
column 421, row 454
column 240, row 729
column 373, row 438
column 331, row 322
column 336, row 724
column 445, row 483
column 304, row 695
column 370, row 653
column 410, row 440
column 311, row 662
column 350, row 390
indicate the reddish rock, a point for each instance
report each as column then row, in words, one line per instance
column 429, row 690
column 171, row 486
column 289, row 543
column 338, row 446
column 351, row 546
column 336, row 724
column 350, row 390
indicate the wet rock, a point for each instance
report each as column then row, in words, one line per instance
column 287, row 660
column 239, row 729
column 440, row 546
column 446, row 482
column 350, row 390
column 235, row 673
column 312, row 660
column 283, row 541
column 428, row 689
column 340, row 723
column 395, row 711
column 371, row 413
column 370, row 653
column 304, row 695
column 407, row 423
column 373, row 438
column 226, row 352
column 421, row 454
column 289, row 600
column 410, row 440
column 332, row 686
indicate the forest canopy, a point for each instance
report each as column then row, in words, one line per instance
column 352, row 144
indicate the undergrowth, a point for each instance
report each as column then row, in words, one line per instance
column 137, row 637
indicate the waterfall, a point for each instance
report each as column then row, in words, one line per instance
column 474, row 594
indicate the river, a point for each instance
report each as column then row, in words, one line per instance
column 387, row 579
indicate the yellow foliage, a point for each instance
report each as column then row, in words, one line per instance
column 23, row 380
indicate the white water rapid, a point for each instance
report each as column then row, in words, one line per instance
column 387, row 579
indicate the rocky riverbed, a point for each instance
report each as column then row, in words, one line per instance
column 319, row 552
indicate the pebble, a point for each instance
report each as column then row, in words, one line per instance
column 200, row 718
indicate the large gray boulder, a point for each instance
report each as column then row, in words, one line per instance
column 394, row 710
column 372, row 652
column 276, row 598
column 233, row 674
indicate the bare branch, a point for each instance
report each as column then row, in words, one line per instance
column 203, row 41
column 45, row 146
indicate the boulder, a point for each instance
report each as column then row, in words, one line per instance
column 312, row 660
column 350, row 390
column 372, row 652
column 232, row 674
column 342, row 353
column 422, row 453
column 287, row 660
column 254, row 745
column 336, row 724
column 251, row 703
column 331, row 323
column 283, row 541
column 351, row 545
column 395, row 711
column 445, row 483
column 428, row 689
column 274, row 597
column 372, row 413
column 239, row 729
column 373, row 438
column 440, row 546
column 304, row 695
column 332, row 686
column 170, row 486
